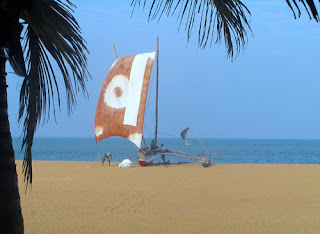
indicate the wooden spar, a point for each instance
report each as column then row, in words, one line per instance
column 114, row 48
column 157, row 90
column 133, row 156
column 192, row 155
column 199, row 159
column 144, row 141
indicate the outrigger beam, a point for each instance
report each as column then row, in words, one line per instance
column 203, row 158
column 192, row 155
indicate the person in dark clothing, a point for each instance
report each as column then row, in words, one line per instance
column 106, row 156
column 152, row 146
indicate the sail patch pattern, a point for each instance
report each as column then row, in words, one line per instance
column 135, row 86
column 116, row 93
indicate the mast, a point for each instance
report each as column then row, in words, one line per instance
column 157, row 90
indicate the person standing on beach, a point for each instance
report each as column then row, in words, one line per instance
column 106, row 156
column 163, row 156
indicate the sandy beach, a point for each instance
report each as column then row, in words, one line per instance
column 84, row 197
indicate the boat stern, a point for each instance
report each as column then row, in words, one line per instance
column 145, row 157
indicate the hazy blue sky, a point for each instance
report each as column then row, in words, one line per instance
column 272, row 90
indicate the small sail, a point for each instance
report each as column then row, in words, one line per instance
column 183, row 134
column 122, row 101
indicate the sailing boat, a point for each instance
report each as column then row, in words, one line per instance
column 185, row 137
column 122, row 102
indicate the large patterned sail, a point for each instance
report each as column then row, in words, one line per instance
column 122, row 100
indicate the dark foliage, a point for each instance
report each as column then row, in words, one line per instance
column 227, row 19
column 50, row 34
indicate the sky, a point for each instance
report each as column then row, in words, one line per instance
column 271, row 91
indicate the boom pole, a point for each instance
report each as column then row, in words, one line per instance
column 114, row 48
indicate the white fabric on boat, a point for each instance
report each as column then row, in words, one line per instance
column 135, row 87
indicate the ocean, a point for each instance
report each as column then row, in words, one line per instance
column 256, row 151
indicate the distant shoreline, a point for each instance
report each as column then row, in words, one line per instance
column 224, row 150
column 176, row 138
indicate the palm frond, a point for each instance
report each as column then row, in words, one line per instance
column 308, row 5
column 225, row 18
column 16, row 61
column 13, row 48
column 52, row 32
column 34, row 96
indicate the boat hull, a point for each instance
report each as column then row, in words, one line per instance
column 143, row 162
column 144, row 158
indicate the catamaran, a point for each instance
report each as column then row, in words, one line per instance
column 122, row 102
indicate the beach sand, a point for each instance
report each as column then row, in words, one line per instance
column 84, row 197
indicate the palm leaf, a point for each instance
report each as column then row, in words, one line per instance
column 225, row 18
column 308, row 5
column 52, row 32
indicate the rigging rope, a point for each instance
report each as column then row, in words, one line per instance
column 184, row 107
column 175, row 136
column 147, row 105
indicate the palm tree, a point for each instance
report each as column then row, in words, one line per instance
column 226, row 18
column 33, row 34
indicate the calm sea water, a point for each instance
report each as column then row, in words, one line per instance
column 234, row 150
